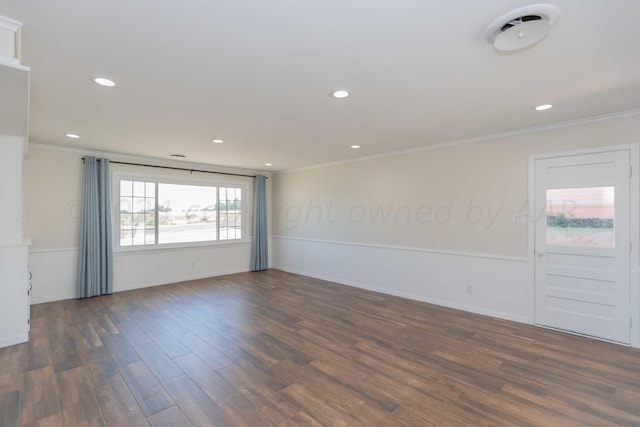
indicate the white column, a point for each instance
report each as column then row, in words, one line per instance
column 14, row 308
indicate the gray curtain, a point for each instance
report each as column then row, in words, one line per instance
column 259, row 252
column 95, row 250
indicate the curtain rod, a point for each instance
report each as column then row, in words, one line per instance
column 181, row 169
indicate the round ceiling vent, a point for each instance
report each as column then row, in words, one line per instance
column 522, row 27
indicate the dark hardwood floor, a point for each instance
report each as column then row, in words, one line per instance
column 276, row 349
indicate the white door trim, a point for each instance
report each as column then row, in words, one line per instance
column 634, row 227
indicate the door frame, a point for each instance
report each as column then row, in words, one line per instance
column 634, row 228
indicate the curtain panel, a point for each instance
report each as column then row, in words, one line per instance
column 95, row 249
column 259, row 251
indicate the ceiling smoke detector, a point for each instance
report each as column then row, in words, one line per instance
column 522, row 27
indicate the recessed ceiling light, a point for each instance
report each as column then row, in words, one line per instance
column 544, row 107
column 340, row 94
column 178, row 156
column 72, row 135
column 355, row 146
column 217, row 141
column 104, row 82
column 268, row 164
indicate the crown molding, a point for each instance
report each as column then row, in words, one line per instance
column 474, row 139
column 138, row 158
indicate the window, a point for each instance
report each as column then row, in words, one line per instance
column 152, row 212
column 581, row 217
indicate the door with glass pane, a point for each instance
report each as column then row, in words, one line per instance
column 582, row 244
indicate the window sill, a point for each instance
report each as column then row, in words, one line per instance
column 178, row 246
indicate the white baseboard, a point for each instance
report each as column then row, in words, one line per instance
column 6, row 342
column 54, row 270
column 185, row 278
column 498, row 284
column 413, row 296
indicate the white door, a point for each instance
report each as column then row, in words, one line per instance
column 582, row 244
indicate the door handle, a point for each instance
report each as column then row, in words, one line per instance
column 540, row 254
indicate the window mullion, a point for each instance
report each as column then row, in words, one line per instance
column 217, row 213
column 157, row 216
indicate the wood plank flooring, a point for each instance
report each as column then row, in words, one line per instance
column 276, row 349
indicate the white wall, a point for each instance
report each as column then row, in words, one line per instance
column 52, row 193
column 466, row 281
column 434, row 224
column 54, row 270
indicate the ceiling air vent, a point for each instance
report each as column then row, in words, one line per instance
column 522, row 27
column 519, row 21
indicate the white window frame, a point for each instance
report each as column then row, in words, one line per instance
column 115, row 202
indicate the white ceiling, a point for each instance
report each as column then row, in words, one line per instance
column 259, row 73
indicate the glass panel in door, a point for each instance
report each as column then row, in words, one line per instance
column 583, row 217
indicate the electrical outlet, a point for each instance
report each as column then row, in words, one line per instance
column 469, row 289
